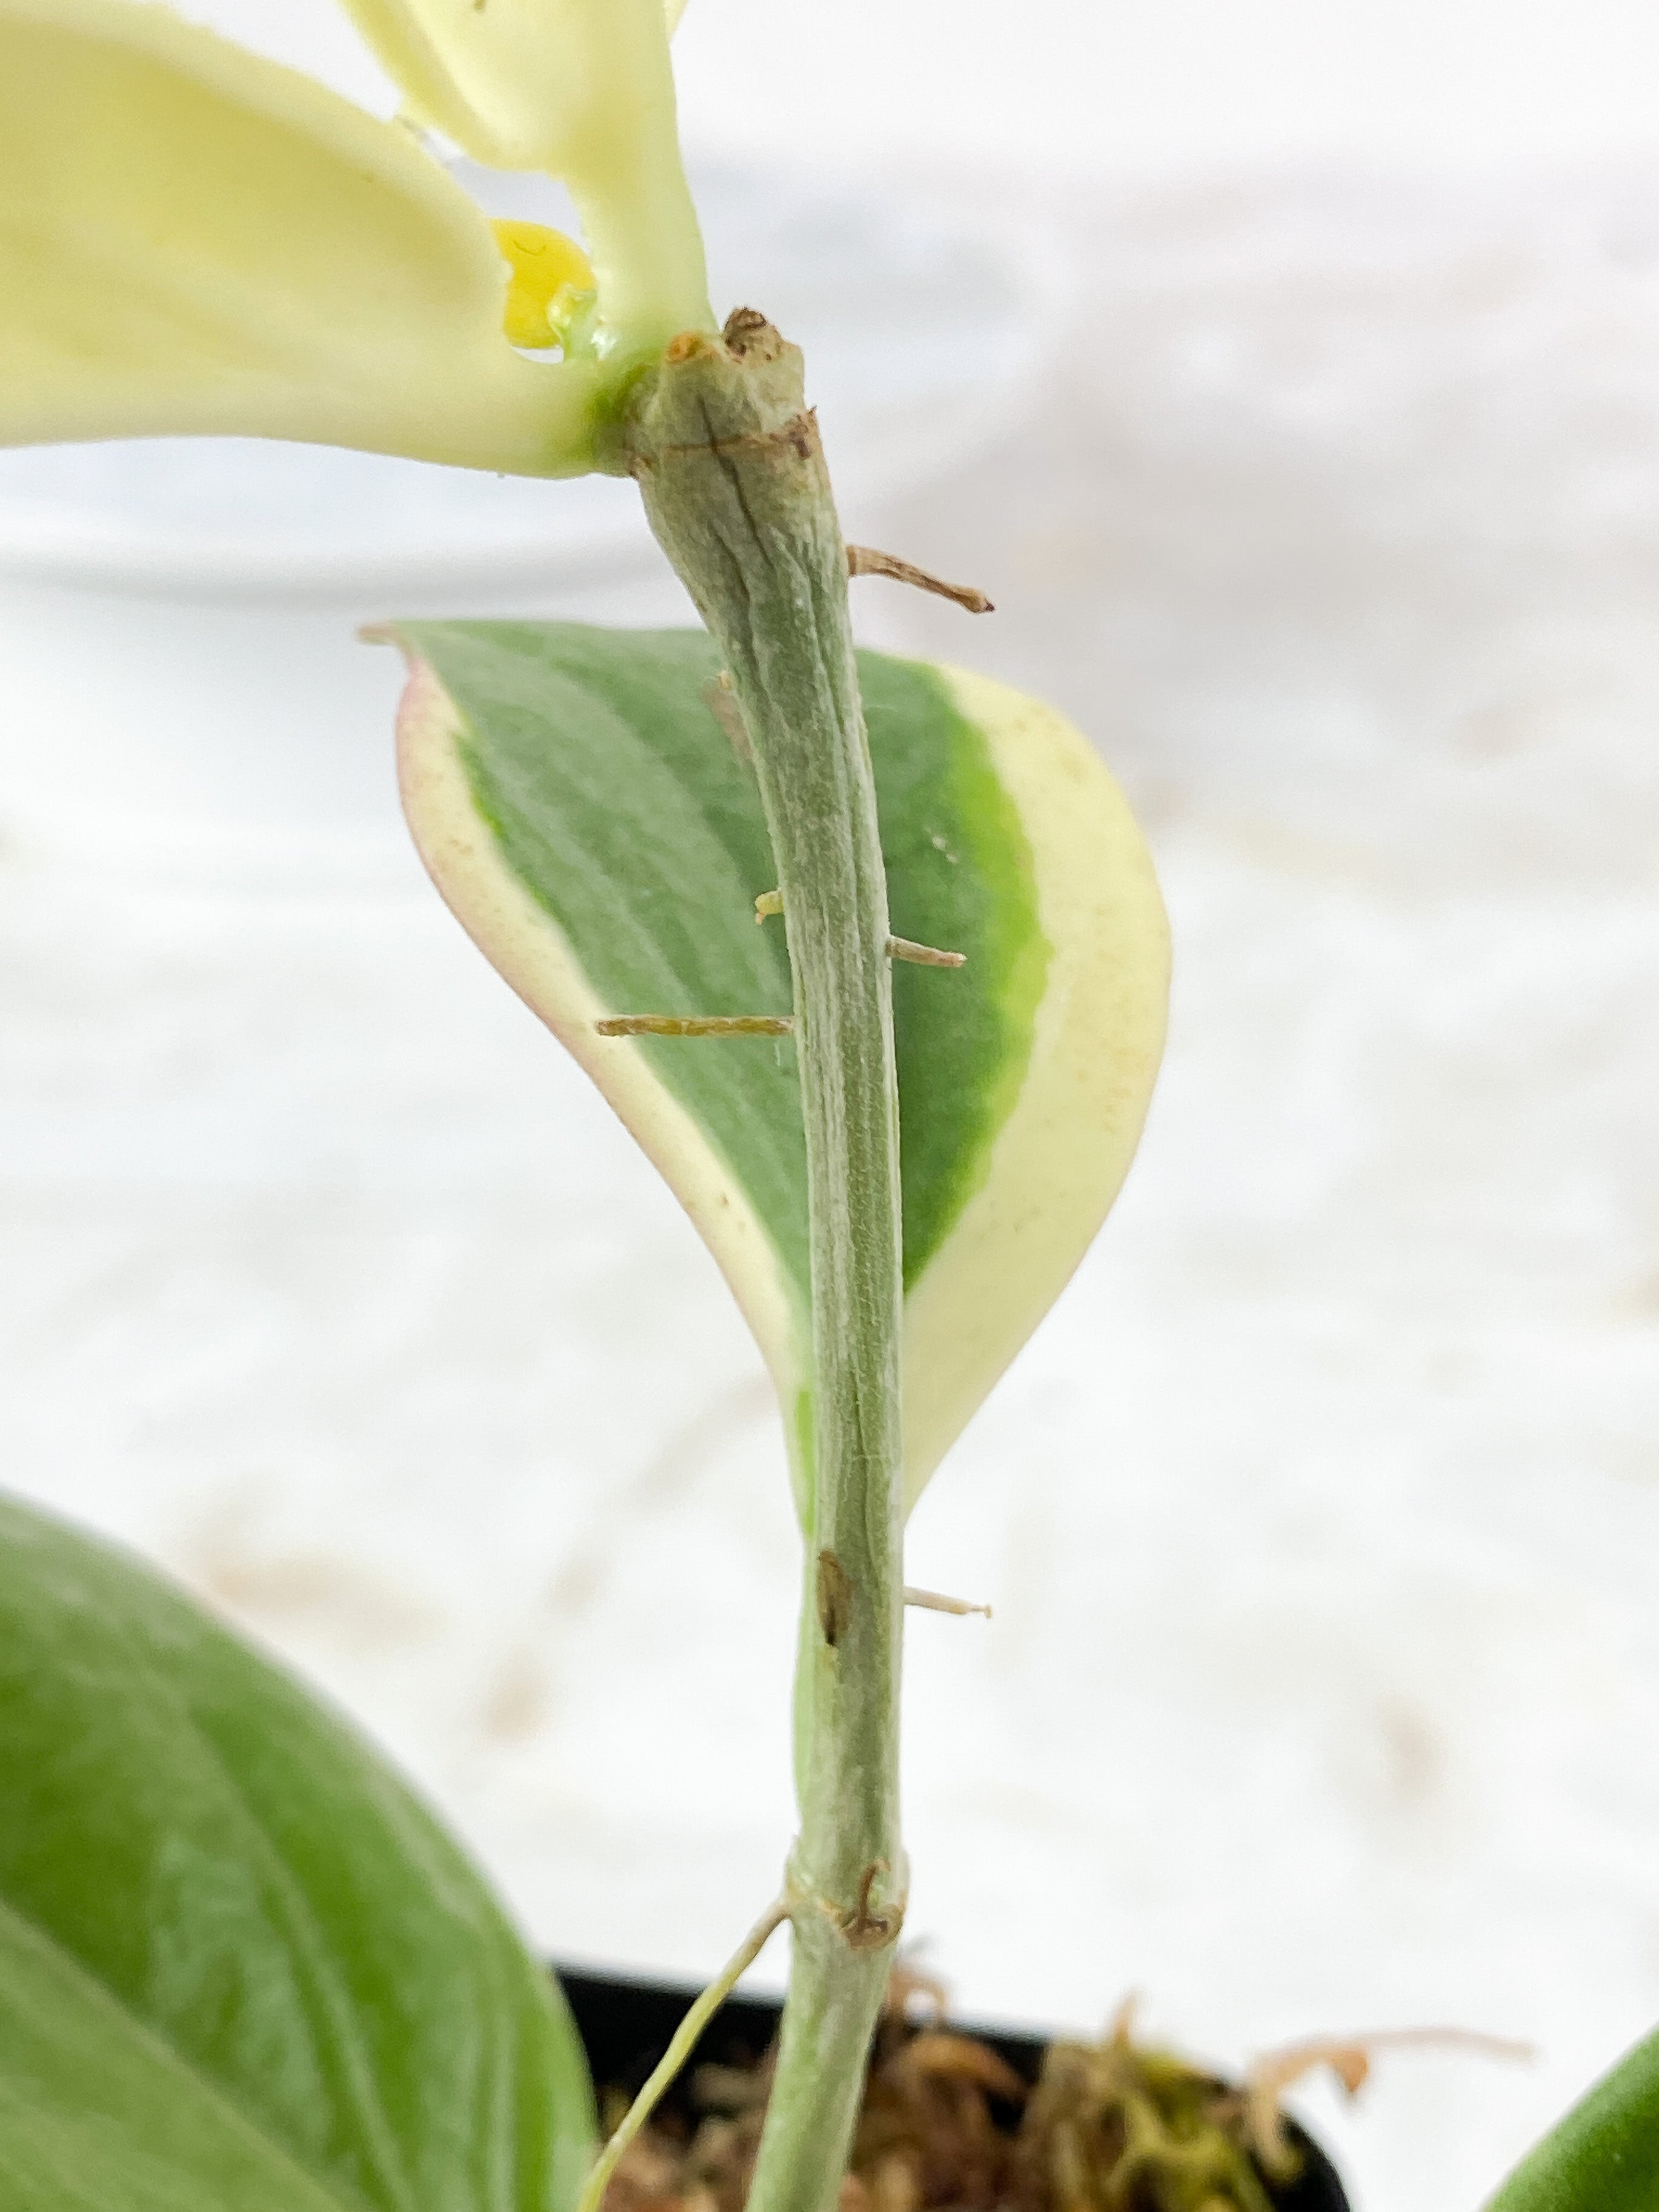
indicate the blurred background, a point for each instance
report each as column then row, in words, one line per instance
column 1289, row 376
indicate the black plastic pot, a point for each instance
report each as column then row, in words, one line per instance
column 626, row 2025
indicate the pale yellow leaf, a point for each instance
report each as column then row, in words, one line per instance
column 194, row 239
column 584, row 90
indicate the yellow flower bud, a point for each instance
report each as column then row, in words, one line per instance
column 544, row 263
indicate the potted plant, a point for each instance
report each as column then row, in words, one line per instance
column 870, row 958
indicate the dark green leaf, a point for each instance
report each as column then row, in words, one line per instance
column 1604, row 2156
column 240, row 1966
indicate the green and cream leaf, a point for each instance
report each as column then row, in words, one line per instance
column 580, row 802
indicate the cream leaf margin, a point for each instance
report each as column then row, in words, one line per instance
column 1060, row 1159
column 521, row 941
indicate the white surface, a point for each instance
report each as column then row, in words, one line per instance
column 1321, row 1520
column 1094, row 88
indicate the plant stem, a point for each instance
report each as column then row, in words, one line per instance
column 732, row 475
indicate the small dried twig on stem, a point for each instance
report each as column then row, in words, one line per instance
column 865, row 561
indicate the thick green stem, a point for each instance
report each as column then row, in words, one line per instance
column 732, row 475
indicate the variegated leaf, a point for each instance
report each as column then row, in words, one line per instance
column 582, row 808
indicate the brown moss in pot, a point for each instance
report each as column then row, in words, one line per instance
column 957, row 2119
